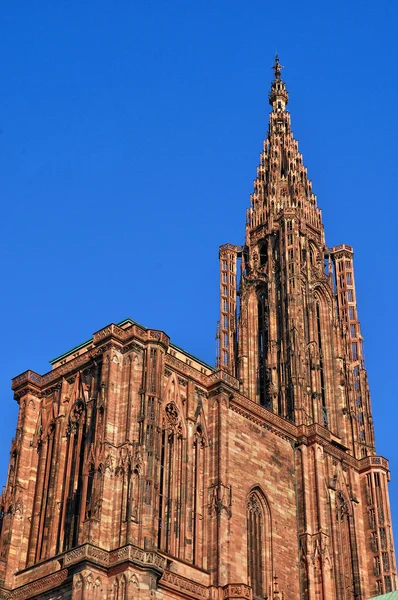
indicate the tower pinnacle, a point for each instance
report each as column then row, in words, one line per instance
column 277, row 67
column 278, row 96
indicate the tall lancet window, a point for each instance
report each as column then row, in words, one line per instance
column 321, row 365
column 255, row 545
column 347, row 553
column 170, row 482
column 76, row 432
column 263, row 254
column 263, row 335
column 198, row 499
column 259, row 556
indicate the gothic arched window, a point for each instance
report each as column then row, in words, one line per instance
column 347, row 551
column 170, row 480
column 263, row 254
column 259, row 556
column 198, row 497
column 263, row 373
column 325, row 415
column 73, row 482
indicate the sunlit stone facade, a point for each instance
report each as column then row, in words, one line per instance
column 138, row 471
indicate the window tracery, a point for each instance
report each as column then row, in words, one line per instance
column 170, row 480
column 181, row 515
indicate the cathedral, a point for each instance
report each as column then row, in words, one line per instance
column 138, row 471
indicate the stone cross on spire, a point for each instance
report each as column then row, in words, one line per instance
column 277, row 68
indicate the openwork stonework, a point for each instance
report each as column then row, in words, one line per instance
column 137, row 471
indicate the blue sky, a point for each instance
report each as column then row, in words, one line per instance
column 129, row 138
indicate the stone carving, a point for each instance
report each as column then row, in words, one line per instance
column 199, row 437
column 220, row 500
column 172, row 414
column 100, row 555
column 224, row 376
column 133, row 346
column 105, row 558
column 172, row 421
column 78, row 584
column 109, row 463
column 238, row 591
column 342, row 508
column 77, row 411
column 75, row 555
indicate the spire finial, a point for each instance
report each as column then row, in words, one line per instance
column 277, row 68
column 278, row 96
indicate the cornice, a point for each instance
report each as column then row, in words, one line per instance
column 372, row 462
column 341, row 251
column 25, row 390
column 184, row 586
column 191, row 589
column 301, row 435
column 149, row 559
column 178, row 365
column 41, row 585
column 132, row 346
column 233, row 247
column 224, row 377
column 263, row 417
column 110, row 337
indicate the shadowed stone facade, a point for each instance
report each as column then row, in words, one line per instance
column 138, row 471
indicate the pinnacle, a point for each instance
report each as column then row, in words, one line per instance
column 282, row 180
column 278, row 96
column 277, row 67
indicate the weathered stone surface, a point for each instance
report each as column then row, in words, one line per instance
column 138, row 471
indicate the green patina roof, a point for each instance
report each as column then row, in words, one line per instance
column 390, row 596
column 76, row 348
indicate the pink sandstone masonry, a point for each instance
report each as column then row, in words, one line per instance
column 138, row 471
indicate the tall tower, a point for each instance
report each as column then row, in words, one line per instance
column 289, row 328
column 294, row 342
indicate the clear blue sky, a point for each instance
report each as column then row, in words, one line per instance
column 129, row 138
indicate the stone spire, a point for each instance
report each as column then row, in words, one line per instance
column 282, row 181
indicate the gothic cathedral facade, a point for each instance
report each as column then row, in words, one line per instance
column 138, row 471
